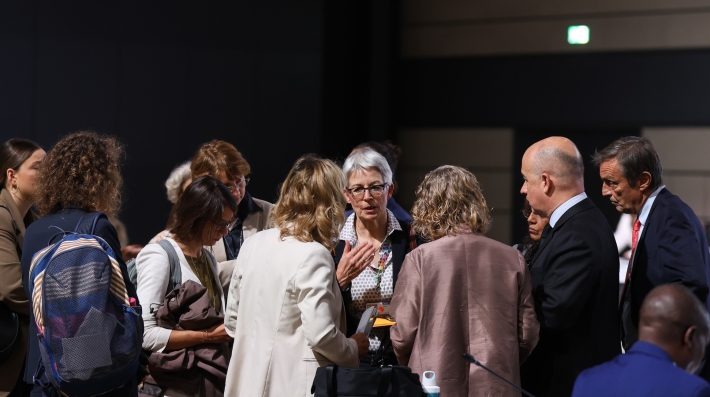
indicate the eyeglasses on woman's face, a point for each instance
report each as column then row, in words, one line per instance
column 358, row 192
column 219, row 226
column 242, row 183
column 526, row 212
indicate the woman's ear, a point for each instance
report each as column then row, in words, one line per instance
column 10, row 178
column 347, row 196
column 390, row 191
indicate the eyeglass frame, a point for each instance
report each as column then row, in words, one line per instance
column 367, row 189
column 235, row 185
column 526, row 213
column 222, row 224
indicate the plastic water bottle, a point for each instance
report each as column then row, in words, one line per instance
column 429, row 384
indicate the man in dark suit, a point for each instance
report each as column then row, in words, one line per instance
column 670, row 244
column 574, row 272
column 673, row 333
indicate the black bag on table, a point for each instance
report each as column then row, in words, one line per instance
column 389, row 381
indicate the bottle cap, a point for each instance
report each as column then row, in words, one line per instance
column 428, row 378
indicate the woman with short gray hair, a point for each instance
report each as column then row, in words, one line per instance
column 372, row 244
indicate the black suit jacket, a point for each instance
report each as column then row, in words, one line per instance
column 575, row 275
column 47, row 231
column 671, row 249
column 400, row 248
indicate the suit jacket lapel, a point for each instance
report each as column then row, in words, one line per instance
column 577, row 208
column 661, row 196
column 543, row 243
column 17, row 221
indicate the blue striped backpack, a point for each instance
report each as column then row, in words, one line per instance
column 89, row 335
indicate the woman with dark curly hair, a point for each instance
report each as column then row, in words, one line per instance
column 80, row 175
column 462, row 292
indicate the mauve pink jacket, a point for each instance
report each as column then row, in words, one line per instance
column 465, row 293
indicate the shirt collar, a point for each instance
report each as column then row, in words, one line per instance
column 650, row 349
column 348, row 232
column 643, row 215
column 246, row 207
column 557, row 214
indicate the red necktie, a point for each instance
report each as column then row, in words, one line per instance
column 634, row 241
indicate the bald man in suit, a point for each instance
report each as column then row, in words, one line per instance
column 574, row 272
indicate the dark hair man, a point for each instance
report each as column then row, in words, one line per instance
column 669, row 244
column 574, row 272
column 673, row 333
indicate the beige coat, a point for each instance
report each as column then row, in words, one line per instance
column 286, row 316
column 254, row 223
column 465, row 293
column 12, row 235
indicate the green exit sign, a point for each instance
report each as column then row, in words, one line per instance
column 578, row 34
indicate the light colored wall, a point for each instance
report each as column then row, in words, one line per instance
column 686, row 164
column 487, row 152
column 432, row 28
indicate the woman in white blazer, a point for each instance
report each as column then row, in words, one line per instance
column 200, row 218
column 285, row 311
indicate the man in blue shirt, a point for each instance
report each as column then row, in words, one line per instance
column 673, row 331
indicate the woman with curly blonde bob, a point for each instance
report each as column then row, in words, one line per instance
column 462, row 292
column 284, row 309
column 79, row 176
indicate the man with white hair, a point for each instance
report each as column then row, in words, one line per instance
column 574, row 272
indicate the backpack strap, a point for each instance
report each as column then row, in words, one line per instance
column 87, row 223
column 175, row 279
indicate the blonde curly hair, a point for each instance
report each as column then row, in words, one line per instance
column 449, row 200
column 311, row 203
column 82, row 170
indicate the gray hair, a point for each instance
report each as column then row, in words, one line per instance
column 635, row 155
column 367, row 159
column 180, row 174
column 559, row 163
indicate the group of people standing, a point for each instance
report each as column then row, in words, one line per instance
column 574, row 264
column 283, row 286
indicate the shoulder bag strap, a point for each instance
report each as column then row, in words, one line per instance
column 330, row 374
column 175, row 279
column 385, row 381
column 87, row 223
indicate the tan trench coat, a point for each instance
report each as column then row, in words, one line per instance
column 12, row 236
column 465, row 293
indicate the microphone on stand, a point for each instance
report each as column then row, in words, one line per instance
column 473, row 360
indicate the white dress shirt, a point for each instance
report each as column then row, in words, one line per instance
column 557, row 214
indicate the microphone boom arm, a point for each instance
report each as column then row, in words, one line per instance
column 473, row 360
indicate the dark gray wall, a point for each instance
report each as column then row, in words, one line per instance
column 165, row 77
column 591, row 98
column 630, row 89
